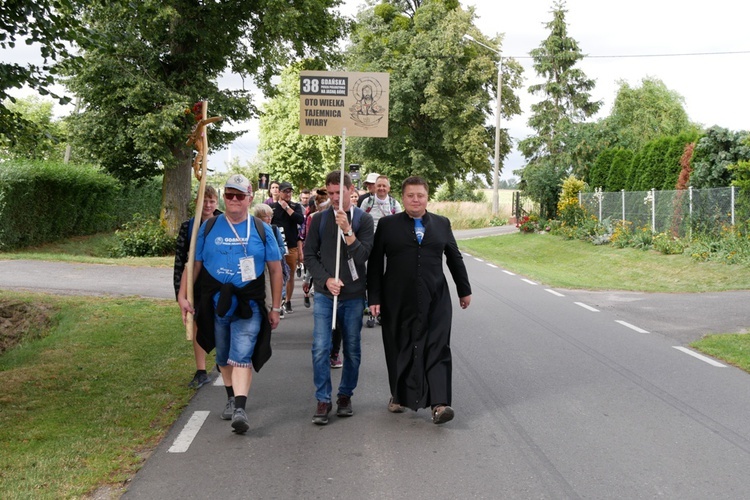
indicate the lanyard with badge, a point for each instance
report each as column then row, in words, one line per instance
column 247, row 263
column 350, row 260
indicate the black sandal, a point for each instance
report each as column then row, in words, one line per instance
column 442, row 414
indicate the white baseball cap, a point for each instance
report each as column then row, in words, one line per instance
column 239, row 182
column 372, row 178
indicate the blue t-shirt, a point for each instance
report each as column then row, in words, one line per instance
column 222, row 252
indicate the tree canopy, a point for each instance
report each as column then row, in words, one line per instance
column 566, row 102
column 641, row 114
column 52, row 27
column 441, row 87
column 158, row 58
column 715, row 153
column 303, row 160
column 37, row 136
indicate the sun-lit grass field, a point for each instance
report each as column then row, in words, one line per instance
column 468, row 215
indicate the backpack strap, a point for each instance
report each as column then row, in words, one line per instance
column 259, row 227
column 210, row 225
column 369, row 202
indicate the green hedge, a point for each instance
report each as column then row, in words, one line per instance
column 46, row 201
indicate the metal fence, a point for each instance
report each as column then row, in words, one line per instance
column 680, row 213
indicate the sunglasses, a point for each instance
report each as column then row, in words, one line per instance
column 231, row 196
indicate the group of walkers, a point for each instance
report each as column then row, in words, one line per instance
column 345, row 250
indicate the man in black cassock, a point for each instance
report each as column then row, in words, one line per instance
column 412, row 296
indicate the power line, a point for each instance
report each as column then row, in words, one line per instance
column 624, row 56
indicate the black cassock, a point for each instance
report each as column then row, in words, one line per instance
column 406, row 279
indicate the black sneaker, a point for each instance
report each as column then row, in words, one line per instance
column 281, row 313
column 240, row 423
column 307, row 301
column 199, row 380
column 321, row 413
column 299, row 271
column 288, row 307
column 344, row 406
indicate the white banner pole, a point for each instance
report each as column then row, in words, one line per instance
column 339, row 233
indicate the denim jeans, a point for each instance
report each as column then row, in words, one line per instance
column 349, row 318
column 236, row 337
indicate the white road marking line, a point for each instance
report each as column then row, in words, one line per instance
column 554, row 292
column 219, row 382
column 492, row 266
column 509, row 273
column 699, row 356
column 478, row 259
column 587, row 307
column 632, row 327
column 185, row 437
column 468, row 254
column 529, row 282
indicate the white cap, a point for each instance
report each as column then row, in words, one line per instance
column 238, row 182
column 372, row 178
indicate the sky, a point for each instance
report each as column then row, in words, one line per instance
column 625, row 41
column 714, row 86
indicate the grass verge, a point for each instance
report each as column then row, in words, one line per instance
column 733, row 348
column 95, row 249
column 76, row 411
column 576, row 264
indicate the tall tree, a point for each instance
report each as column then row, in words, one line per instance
column 50, row 26
column 441, row 88
column 303, row 160
column 37, row 136
column 160, row 57
column 566, row 101
column 642, row 114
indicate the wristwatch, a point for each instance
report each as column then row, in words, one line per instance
column 349, row 233
column 277, row 309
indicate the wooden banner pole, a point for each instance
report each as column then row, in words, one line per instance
column 202, row 175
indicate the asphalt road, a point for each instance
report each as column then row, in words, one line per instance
column 558, row 394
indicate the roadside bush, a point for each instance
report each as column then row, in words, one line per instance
column 462, row 191
column 143, row 237
column 528, row 223
column 643, row 239
column 668, row 244
column 732, row 247
column 498, row 221
column 622, row 234
column 570, row 212
column 64, row 200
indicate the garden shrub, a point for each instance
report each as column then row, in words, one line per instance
column 732, row 247
column 643, row 239
column 668, row 244
column 144, row 237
